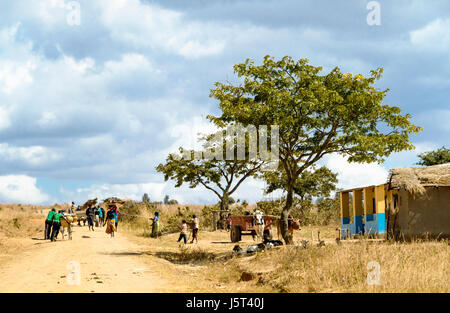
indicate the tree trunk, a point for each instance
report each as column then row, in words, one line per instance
column 285, row 215
column 223, row 215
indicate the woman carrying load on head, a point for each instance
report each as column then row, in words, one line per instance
column 155, row 225
column 111, row 220
column 90, row 217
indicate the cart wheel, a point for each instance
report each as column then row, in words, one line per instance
column 235, row 234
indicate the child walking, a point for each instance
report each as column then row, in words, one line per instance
column 183, row 233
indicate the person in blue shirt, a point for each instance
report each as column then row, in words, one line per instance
column 155, row 225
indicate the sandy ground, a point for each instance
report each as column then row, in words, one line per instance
column 105, row 265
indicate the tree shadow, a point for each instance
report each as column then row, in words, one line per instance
column 125, row 253
column 192, row 257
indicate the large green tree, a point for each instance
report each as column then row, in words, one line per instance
column 317, row 115
column 440, row 156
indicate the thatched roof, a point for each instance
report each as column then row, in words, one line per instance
column 415, row 179
column 89, row 203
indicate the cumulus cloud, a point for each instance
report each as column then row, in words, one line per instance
column 356, row 174
column 124, row 191
column 104, row 102
column 4, row 118
column 133, row 22
column 434, row 36
column 34, row 155
column 21, row 189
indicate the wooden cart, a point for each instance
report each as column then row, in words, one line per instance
column 242, row 225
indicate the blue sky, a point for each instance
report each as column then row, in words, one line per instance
column 89, row 110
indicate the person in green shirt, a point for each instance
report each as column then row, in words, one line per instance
column 48, row 224
column 56, row 225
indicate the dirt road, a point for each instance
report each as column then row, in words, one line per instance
column 105, row 265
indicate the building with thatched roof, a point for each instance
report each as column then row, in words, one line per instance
column 415, row 202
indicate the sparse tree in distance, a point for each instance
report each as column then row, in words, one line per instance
column 166, row 199
column 440, row 156
column 311, row 183
column 317, row 115
column 145, row 198
column 223, row 177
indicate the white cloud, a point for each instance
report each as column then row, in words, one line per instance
column 123, row 191
column 435, row 36
column 14, row 75
column 21, row 189
column 34, row 155
column 4, row 119
column 15, row 69
column 186, row 133
column 356, row 174
column 146, row 25
column 81, row 66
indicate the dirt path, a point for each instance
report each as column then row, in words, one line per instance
column 106, row 265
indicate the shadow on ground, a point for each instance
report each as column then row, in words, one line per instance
column 125, row 253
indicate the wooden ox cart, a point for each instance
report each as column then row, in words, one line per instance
column 243, row 225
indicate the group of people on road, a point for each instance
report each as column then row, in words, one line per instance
column 52, row 224
column 194, row 224
column 95, row 215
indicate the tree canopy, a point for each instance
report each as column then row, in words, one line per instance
column 220, row 174
column 440, row 156
column 317, row 115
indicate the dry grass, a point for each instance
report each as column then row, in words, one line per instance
column 18, row 225
column 417, row 267
column 20, row 221
column 210, row 266
column 404, row 267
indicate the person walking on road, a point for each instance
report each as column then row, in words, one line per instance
column 90, row 217
column 72, row 208
column 183, row 233
column 101, row 216
column 155, row 225
column 48, row 224
column 56, row 225
column 195, row 225
column 110, row 221
column 116, row 221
